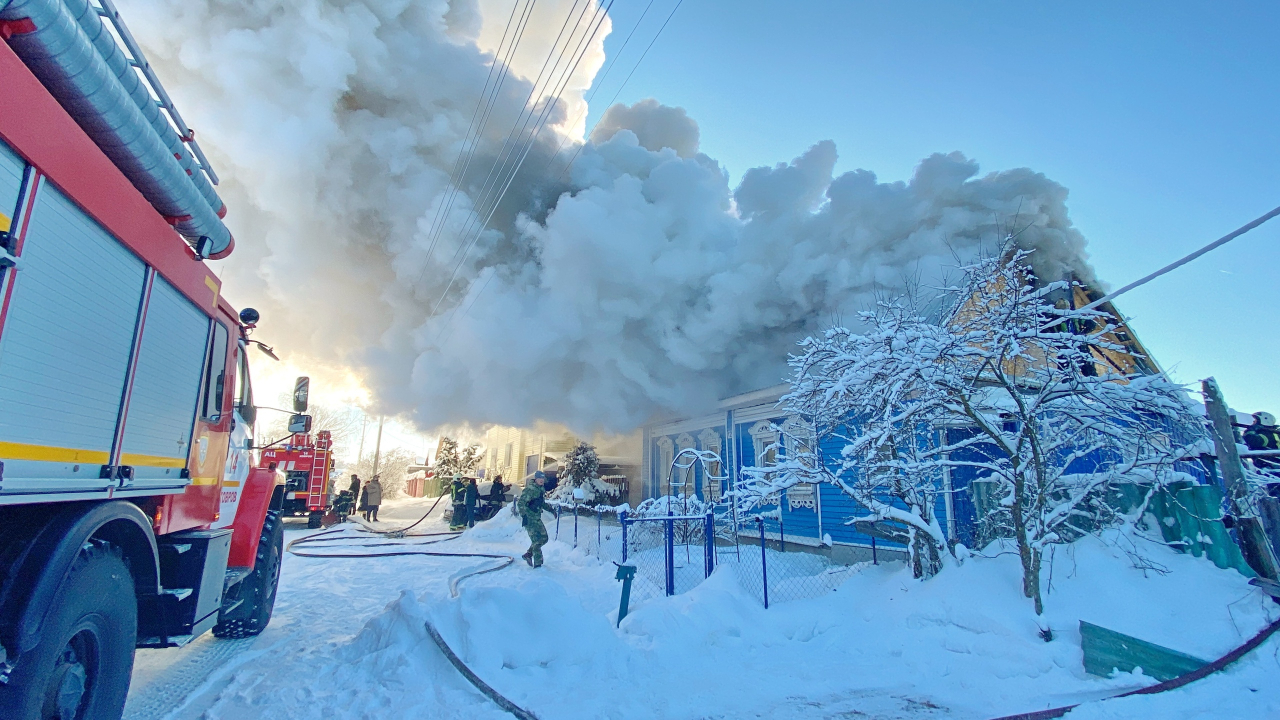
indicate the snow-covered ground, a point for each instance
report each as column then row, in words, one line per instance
column 347, row 642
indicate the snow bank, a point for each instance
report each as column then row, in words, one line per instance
column 965, row 643
column 961, row 645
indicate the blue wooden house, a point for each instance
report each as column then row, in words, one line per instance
column 744, row 431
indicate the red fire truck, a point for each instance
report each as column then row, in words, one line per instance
column 307, row 465
column 131, row 513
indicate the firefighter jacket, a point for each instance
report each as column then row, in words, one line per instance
column 1262, row 437
column 530, row 504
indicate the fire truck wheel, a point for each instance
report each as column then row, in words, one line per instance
column 313, row 520
column 80, row 669
column 258, row 591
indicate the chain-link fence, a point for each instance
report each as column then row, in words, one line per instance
column 672, row 554
column 593, row 529
column 774, row 570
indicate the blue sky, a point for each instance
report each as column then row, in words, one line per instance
column 1163, row 120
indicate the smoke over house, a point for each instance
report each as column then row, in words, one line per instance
column 633, row 283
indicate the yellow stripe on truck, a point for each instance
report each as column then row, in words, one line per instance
column 152, row 461
column 45, row 453
column 204, row 481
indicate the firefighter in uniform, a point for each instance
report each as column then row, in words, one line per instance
column 1264, row 435
column 529, row 505
column 458, row 496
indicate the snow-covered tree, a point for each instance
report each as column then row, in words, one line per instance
column 393, row 469
column 581, row 469
column 448, row 461
column 581, row 465
column 469, row 459
column 451, row 461
column 1053, row 406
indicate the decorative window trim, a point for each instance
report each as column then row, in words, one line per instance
column 803, row 495
column 689, row 477
column 711, row 441
column 666, row 453
column 763, row 434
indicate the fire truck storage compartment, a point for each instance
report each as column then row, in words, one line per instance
column 11, row 168
column 193, row 568
column 166, row 387
column 79, row 299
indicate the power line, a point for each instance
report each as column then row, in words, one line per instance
column 624, row 82
column 487, row 101
column 1177, row 264
column 447, row 327
column 580, row 51
column 516, row 129
column 600, row 82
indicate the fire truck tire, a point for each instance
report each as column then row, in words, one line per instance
column 313, row 520
column 257, row 592
column 81, row 667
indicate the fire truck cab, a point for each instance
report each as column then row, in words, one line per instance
column 132, row 513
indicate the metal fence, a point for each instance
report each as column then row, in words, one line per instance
column 774, row 570
column 674, row 553
column 594, row 529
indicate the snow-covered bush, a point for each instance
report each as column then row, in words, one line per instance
column 1051, row 403
column 687, row 532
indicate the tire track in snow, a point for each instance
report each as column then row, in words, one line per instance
column 164, row 679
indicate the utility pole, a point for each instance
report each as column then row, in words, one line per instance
column 1252, row 539
column 364, row 422
column 377, row 452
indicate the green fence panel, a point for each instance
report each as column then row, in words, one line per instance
column 1107, row 650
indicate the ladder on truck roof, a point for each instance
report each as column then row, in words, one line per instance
column 107, row 9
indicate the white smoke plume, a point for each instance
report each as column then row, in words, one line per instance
column 634, row 284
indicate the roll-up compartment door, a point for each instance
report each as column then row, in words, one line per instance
column 166, row 387
column 11, row 169
column 64, row 350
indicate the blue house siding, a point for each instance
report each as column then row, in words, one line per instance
column 834, row 509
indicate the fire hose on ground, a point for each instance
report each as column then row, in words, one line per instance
column 339, row 536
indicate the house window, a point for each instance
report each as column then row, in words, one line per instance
column 764, row 436
column 711, row 488
column 797, row 438
column 684, row 480
column 764, row 439
column 666, row 453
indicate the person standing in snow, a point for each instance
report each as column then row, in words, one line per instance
column 470, row 498
column 529, row 505
column 373, row 498
column 496, row 492
column 1263, row 435
column 458, row 496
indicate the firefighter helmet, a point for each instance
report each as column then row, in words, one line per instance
column 1265, row 418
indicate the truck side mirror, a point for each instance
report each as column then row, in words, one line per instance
column 299, row 423
column 301, row 392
